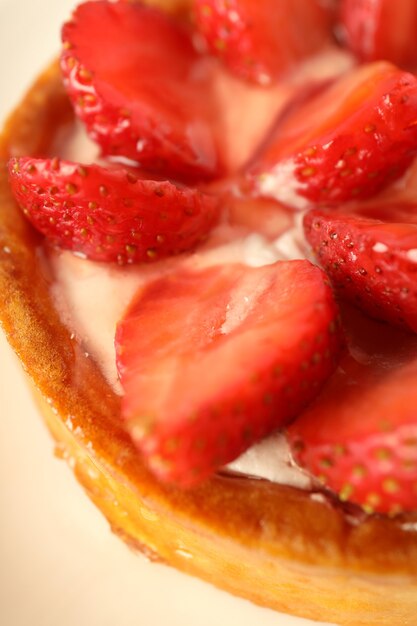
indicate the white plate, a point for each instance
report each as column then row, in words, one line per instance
column 59, row 562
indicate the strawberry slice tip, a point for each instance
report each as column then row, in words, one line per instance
column 140, row 87
column 212, row 359
column 371, row 262
column 110, row 214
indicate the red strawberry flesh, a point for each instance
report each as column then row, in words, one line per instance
column 348, row 142
column 381, row 29
column 212, row 360
column 360, row 435
column 260, row 41
column 137, row 82
column 372, row 263
column 110, row 214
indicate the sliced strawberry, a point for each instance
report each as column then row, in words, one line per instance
column 212, row 359
column 360, row 435
column 371, row 262
column 381, row 29
column 348, row 142
column 247, row 112
column 142, row 90
column 261, row 40
column 110, row 214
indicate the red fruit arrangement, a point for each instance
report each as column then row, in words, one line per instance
column 233, row 333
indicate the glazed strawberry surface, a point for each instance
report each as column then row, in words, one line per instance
column 111, row 214
column 118, row 94
column 360, row 435
column 371, row 262
column 381, row 29
column 244, row 34
column 215, row 359
column 317, row 142
column 366, row 139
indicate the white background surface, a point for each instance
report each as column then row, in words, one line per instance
column 59, row 563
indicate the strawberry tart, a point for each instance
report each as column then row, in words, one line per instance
column 208, row 250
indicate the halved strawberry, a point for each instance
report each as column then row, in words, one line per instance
column 142, row 90
column 371, row 262
column 348, row 142
column 261, row 40
column 381, row 29
column 360, row 435
column 212, row 359
column 110, row 214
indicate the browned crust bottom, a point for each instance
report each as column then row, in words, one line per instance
column 272, row 544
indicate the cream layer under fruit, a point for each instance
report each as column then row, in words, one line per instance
column 92, row 297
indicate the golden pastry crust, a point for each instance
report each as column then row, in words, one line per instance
column 173, row 6
column 279, row 547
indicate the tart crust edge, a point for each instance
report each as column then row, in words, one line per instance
column 271, row 544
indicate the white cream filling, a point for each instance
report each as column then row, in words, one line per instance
column 271, row 459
